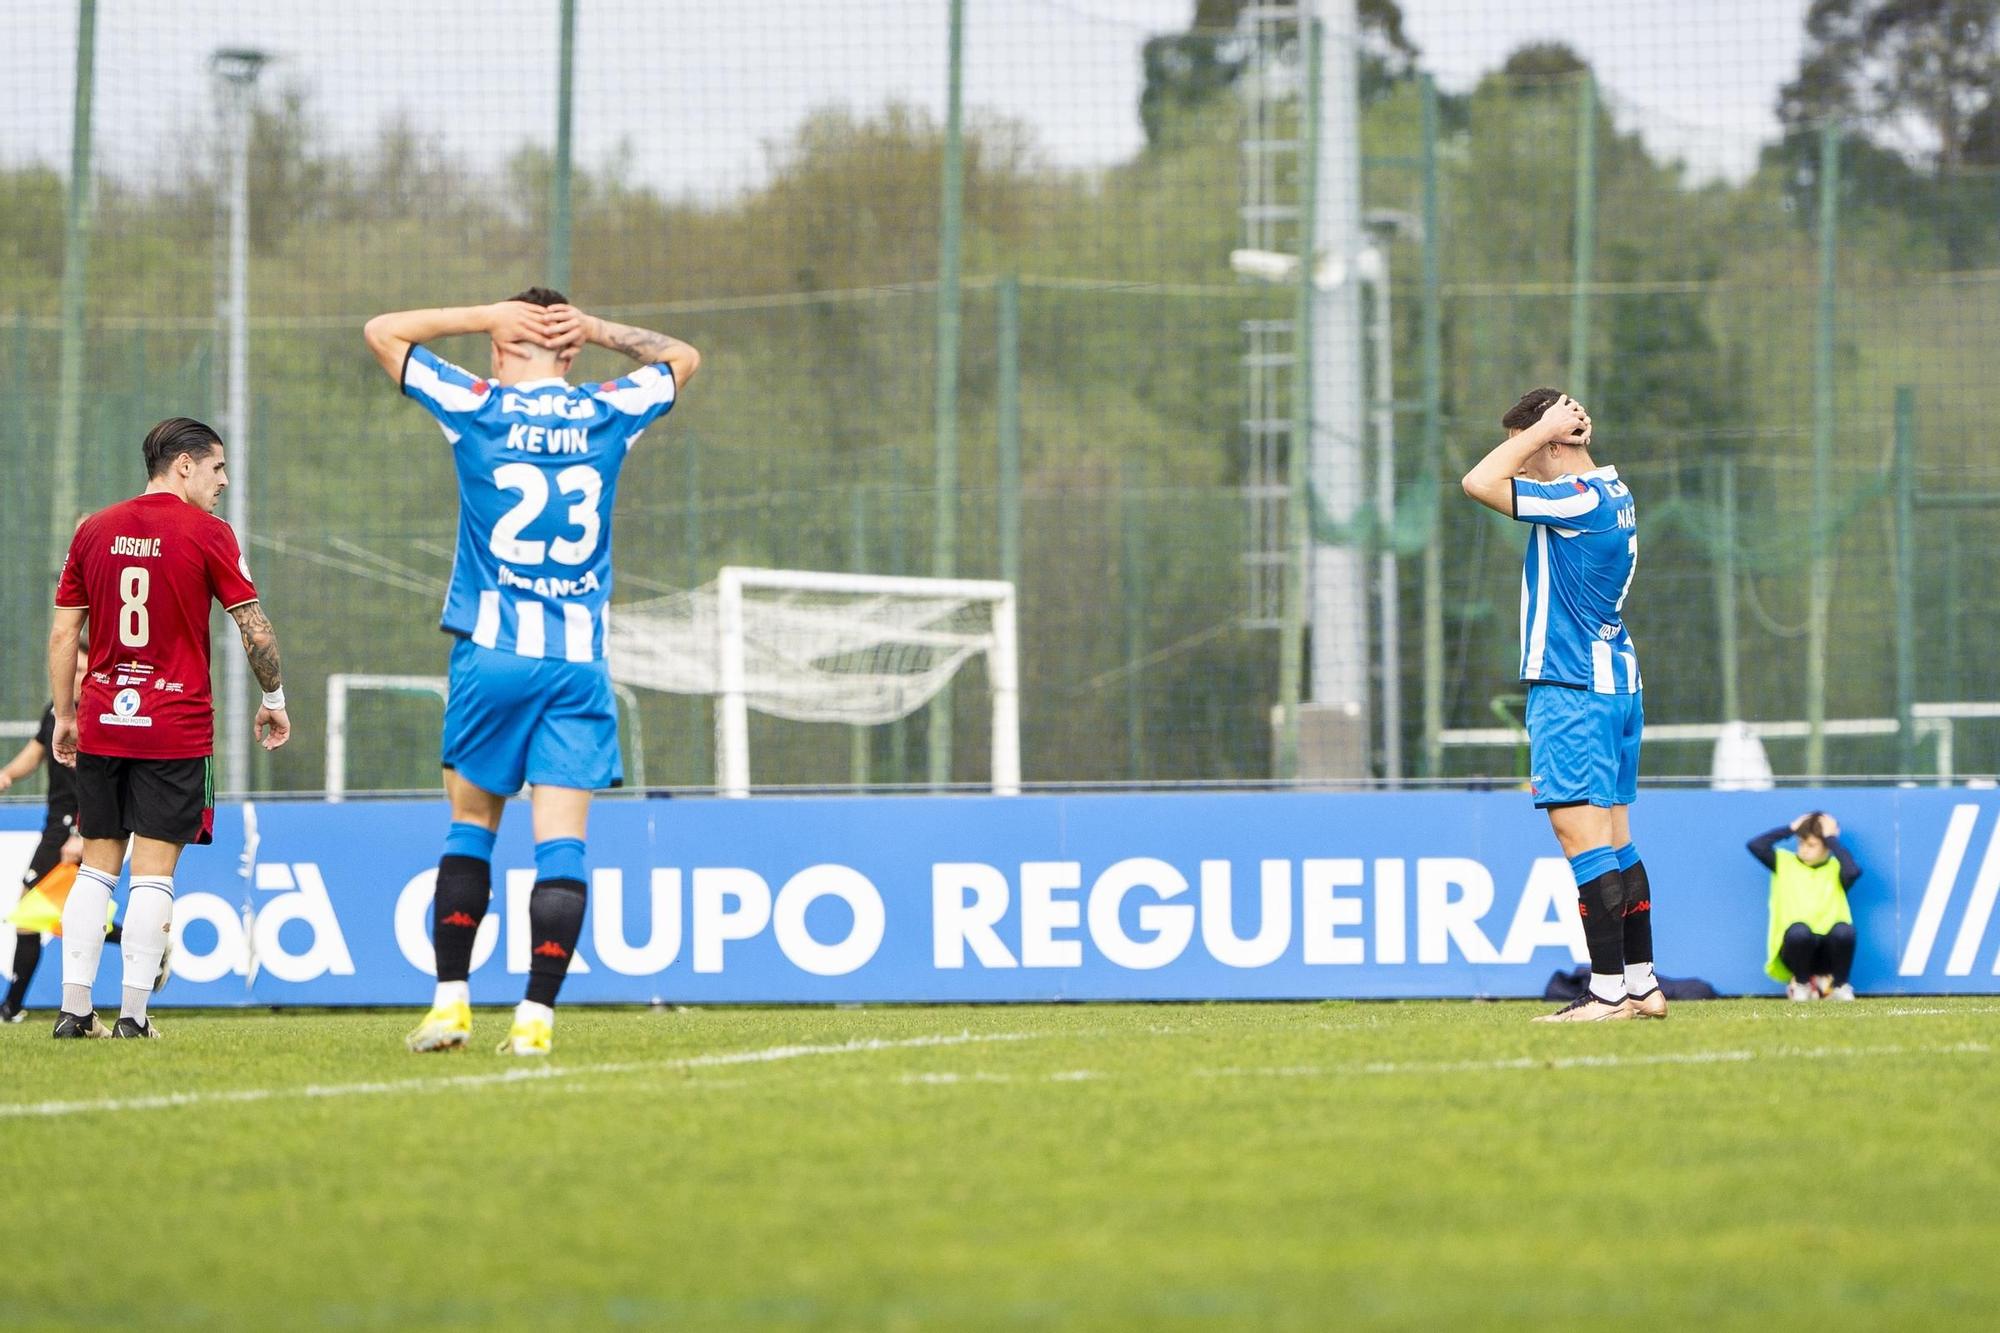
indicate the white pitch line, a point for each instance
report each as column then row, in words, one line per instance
column 315, row 1091
column 1595, row 1061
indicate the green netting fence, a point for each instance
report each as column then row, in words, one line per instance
column 1775, row 323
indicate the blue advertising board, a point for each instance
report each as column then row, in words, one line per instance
column 1266, row 895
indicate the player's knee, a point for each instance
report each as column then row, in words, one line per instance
column 1842, row 933
column 1798, row 935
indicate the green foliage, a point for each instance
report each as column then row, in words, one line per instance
column 809, row 293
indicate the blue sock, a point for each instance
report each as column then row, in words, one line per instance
column 1587, row 866
column 559, row 858
column 1628, row 856
column 472, row 840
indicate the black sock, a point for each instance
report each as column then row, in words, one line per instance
column 1638, row 915
column 27, row 955
column 1602, row 902
column 555, row 921
column 464, row 888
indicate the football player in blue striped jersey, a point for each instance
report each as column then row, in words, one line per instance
column 1585, row 701
column 538, row 461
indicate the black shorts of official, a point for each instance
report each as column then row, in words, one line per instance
column 168, row 800
column 48, row 852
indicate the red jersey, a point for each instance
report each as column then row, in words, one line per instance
column 146, row 570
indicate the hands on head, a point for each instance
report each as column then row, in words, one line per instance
column 553, row 328
column 1565, row 422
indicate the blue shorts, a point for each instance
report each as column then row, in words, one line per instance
column 1583, row 748
column 545, row 721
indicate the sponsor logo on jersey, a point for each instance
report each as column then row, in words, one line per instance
column 125, row 703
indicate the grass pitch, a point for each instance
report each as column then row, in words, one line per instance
column 1746, row 1164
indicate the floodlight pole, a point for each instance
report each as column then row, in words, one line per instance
column 236, row 72
column 1338, row 583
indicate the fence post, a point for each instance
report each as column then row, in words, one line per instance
column 1725, row 594
column 1906, row 581
column 1820, row 597
column 944, row 553
column 701, row 721
column 1132, row 591
column 858, row 737
column 1432, row 320
column 1009, row 428
column 559, row 176
column 68, row 461
column 1585, row 240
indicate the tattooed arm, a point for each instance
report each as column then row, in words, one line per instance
column 260, row 645
column 567, row 323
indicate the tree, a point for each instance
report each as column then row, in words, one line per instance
column 1920, row 76
column 1185, row 72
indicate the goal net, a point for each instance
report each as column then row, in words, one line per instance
column 813, row 646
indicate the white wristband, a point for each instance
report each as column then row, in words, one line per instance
column 275, row 699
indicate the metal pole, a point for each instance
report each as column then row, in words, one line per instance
column 1132, row 589
column 1009, row 417
column 1298, row 496
column 1339, row 460
column 701, row 738
column 1820, row 597
column 899, row 730
column 858, row 736
column 1387, row 603
column 237, row 71
column 1585, row 239
column 1906, row 580
column 559, row 193
column 944, row 551
column 1725, row 596
column 67, row 466
column 1432, row 316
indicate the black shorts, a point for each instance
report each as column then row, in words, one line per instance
column 48, row 852
column 169, row 800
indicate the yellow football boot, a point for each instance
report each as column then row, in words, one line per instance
column 448, row 1027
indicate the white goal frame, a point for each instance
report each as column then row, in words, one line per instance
column 732, row 711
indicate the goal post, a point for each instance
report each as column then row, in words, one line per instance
column 819, row 646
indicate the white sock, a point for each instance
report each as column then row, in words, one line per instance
column 528, row 1010
column 1639, row 978
column 83, row 935
column 149, row 923
column 452, row 992
column 1608, row 987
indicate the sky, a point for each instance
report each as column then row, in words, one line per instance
column 688, row 96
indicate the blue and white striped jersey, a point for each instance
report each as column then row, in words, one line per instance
column 538, row 466
column 1574, row 581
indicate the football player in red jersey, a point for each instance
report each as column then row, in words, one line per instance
column 140, row 737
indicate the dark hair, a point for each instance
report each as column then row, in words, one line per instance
column 1529, row 410
column 1810, row 827
column 176, row 436
column 541, row 296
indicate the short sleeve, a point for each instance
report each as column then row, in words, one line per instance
column 639, row 399
column 450, row 394
column 1566, row 503
column 45, row 735
column 228, row 571
column 70, row 590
